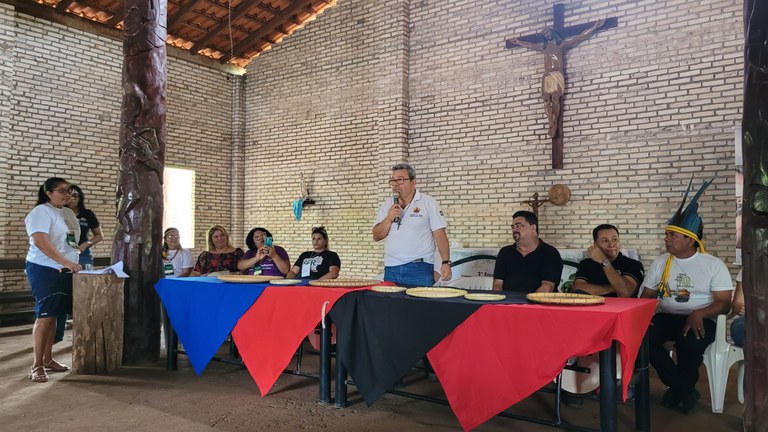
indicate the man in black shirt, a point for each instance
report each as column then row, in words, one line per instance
column 606, row 271
column 529, row 265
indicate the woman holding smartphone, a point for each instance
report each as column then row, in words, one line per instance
column 263, row 257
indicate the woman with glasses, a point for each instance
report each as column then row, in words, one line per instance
column 221, row 256
column 88, row 222
column 319, row 263
column 177, row 261
column 53, row 230
column 263, row 258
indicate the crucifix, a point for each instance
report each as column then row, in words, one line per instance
column 554, row 42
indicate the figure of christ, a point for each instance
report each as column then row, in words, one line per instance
column 554, row 48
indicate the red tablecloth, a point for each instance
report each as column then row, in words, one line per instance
column 503, row 353
column 269, row 333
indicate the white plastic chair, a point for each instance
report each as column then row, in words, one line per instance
column 473, row 282
column 718, row 359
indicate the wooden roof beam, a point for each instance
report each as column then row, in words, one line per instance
column 267, row 28
column 116, row 18
column 239, row 11
column 190, row 5
column 63, row 5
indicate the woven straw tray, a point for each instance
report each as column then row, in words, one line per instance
column 565, row 299
column 388, row 289
column 484, row 297
column 346, row 283
column 435, row 292
column 285, row 281
column 247, row 278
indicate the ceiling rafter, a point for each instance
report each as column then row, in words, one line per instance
column 188, row 6
column 198, row 27
column 266, row 28
column 63, row 5
column 239, row 11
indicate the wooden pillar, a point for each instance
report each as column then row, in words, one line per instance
column 755, row 213
column 97, row 317
column 138, row 237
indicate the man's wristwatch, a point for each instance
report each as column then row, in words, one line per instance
column 89, row 243
column 606, row 263
column 447, row 262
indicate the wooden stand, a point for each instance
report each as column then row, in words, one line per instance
column 97, row 316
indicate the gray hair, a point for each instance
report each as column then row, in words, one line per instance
column 405, row 166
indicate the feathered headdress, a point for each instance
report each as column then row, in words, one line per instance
column 686, row 222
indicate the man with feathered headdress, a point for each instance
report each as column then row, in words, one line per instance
column 693, row 287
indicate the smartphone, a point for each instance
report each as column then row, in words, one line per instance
column 268, row 242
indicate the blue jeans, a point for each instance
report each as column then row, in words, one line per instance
column 737, row 331
column 86, row 257
column 411, row 274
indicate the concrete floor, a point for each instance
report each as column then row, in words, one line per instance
column 225, row 398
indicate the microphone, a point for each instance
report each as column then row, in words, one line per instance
column 395, row 198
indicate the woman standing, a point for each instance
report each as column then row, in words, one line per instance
column 220, row 256
column 177, row 262
column 53, row 231
column 263, row 257
column 88, row 222
column 319, row 263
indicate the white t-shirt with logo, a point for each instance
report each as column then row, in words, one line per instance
column 691, row 282
column 412, row 239
column 63, row 229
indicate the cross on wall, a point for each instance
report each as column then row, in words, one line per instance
column 554, row 42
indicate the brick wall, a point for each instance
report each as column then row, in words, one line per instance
column 60, row 101
column 368, row 84
column 648, row 104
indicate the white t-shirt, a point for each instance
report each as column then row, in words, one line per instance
column 412, row 239
column 62, row 228
column 691, row 282
column 179, row 259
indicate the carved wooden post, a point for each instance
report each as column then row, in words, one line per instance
column 755, row 214
column 138, row 238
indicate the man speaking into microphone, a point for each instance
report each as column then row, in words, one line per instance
column 412, row 227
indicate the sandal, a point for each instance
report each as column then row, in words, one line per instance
column 55, row 366
column 38, row 375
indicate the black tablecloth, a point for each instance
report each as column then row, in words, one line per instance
column 380, row 336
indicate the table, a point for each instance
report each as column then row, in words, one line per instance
column 267, row 322
column 492, row 358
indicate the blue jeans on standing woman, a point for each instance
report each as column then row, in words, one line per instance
column 86, row 257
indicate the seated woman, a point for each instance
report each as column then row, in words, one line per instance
column 263, row 258
column 737, row 308
column 319, row 263
column 177, row 261
column 221, row 256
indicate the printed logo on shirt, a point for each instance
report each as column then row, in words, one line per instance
column 683, row 286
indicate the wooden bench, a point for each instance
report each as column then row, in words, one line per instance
column 23, row 310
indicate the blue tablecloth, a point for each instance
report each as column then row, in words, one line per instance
column 203, row 311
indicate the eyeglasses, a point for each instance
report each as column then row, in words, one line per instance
column 173, row 236
column 398, row 181
column 63, row 191
column 258, row 237
column 74, row 195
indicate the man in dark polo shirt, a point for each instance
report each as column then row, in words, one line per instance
column 529, row 265
column 606, row 271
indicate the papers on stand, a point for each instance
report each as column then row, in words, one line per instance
column 116, row 269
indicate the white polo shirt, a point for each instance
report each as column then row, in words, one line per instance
column 412, row 239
